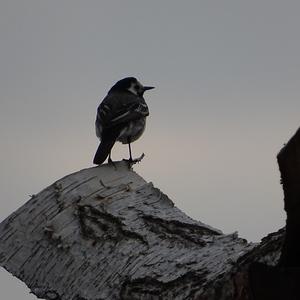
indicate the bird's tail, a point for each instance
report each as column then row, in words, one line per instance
column 103, row 150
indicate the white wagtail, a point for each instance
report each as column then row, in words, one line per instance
column 121, row 116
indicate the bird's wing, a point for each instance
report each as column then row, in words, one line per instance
column 116, row 110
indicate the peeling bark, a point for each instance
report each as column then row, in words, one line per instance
column 105, row 233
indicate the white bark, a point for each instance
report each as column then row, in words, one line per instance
column 105, row 233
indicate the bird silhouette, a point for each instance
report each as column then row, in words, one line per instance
column 121, row 116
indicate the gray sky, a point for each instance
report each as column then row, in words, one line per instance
column 227, row 77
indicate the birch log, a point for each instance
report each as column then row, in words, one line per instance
column 105, row 233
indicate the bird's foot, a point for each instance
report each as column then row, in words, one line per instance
column 111, row 162
column 132, row 162
column 137, row 160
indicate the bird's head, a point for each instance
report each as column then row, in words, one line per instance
column 132, row 85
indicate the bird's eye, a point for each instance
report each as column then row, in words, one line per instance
column 137, row 87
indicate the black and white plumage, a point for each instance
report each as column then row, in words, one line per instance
column 121, row 116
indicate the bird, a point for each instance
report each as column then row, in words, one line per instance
column 121, row 116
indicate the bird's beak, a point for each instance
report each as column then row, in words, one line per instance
column 146, row 88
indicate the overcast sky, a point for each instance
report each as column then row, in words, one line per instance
column 227, row 77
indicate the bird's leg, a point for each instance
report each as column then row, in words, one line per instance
column 132, row 161
column 130, row 156
column 109, row 158
column 110, row 161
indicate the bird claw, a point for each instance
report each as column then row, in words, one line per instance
column 111, row 162
column 132, row 162
column 139, row 159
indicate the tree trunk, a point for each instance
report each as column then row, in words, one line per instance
column 105, row 233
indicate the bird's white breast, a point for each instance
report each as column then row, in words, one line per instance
column 132, row 131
